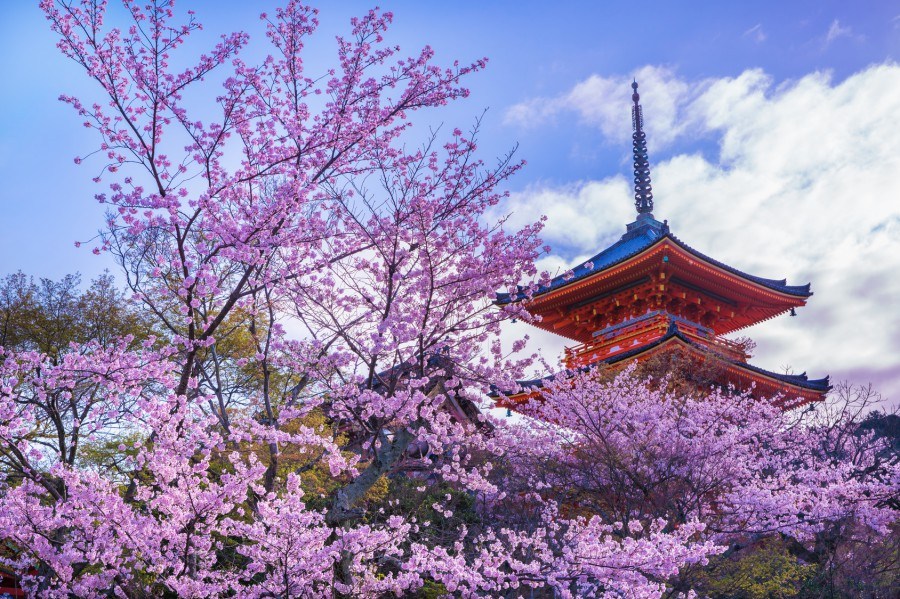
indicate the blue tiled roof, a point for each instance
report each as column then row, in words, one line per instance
column 641, row 235
column 798, row 380
column 776, row 284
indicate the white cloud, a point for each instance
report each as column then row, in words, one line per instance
column 756, row 33
column 580, row 215
column 837, row 31
column 605, row 102
column 806, row 186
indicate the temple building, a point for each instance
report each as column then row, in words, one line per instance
column 650, row 292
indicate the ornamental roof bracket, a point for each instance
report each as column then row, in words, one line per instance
column 643, row 193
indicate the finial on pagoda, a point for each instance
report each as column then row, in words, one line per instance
column 643, row 193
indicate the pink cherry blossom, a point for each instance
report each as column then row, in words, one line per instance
column 321, row 283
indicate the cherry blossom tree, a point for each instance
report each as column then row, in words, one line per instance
column 294, row 203
column 632, row 450
column 305, row 420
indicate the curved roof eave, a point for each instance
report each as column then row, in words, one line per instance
column 774, row 284
column 635, row 243
column 797, row 380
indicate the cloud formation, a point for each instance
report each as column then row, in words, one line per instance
column 756, row 33
column 598, row 102
column 837, row 31
column 806, row 185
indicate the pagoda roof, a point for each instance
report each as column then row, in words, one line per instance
column 642, row 235
column 797, row 380
column 648, row 272
column 801, row 381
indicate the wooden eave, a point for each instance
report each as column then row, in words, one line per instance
column 756, row 302
column 741, row 376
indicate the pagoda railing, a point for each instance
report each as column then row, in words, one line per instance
column 638, row 332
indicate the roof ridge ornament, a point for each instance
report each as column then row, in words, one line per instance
column 643, row 193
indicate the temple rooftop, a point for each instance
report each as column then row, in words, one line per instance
column 641, row 235
column 650, row 293
column 790, row 385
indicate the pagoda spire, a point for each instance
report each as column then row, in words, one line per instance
column 643, row 193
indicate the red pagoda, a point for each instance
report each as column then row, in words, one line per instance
column 650, row 292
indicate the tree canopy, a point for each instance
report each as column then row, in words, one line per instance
column 285, row 400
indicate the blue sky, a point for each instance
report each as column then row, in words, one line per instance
column 771, row 125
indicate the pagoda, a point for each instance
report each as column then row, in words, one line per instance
column 650, row 292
